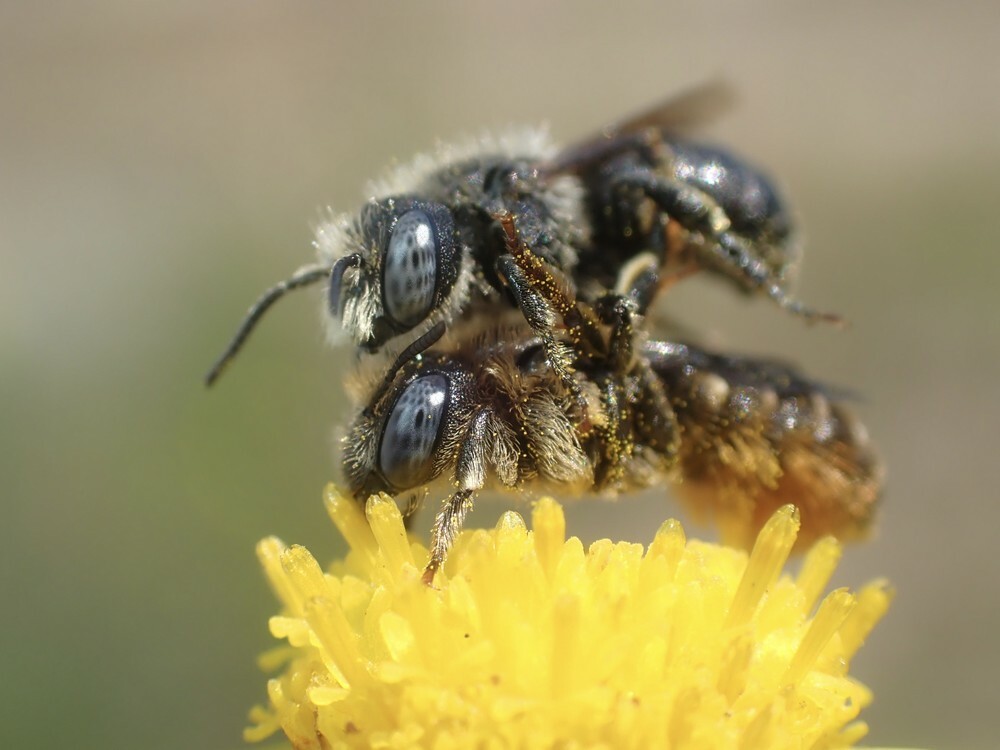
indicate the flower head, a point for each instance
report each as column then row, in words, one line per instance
column 529, row 640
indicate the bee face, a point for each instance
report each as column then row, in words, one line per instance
column 484, row 408
column 400, row 263
column 404, row 438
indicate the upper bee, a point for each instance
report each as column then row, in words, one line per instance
column 514, row 222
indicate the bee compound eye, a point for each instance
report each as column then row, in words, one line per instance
column 410, row 268
column 405, row 456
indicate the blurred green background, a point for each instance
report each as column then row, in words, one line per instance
column 161, row 164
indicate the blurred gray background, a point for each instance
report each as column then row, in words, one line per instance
column 161, row 164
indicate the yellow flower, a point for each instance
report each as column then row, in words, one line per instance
column 529, row 640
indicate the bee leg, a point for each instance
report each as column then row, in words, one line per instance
column 617, row 311
column 723, row 249
column 644, row 277
column 639, row 281
column 542, row 318
column 653, row 416
column 694, row 209
column 736, row 257
column 446, row 527
column 650, row 413
column 616, row 445
column 654, row 420
column 470, row 475
column 543, row 298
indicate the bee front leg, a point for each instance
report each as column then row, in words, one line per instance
column 470, row 476
column 446, row 527
column 540, row 315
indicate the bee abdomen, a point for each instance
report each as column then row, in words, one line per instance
column 756, row 435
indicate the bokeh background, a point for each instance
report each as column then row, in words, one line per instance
column 161, row 163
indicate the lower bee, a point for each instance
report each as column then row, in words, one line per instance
column 737, row 436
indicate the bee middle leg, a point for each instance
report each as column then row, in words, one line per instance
column 616, row 448
column 647, row 411
column 617, row 311
column 639, row 281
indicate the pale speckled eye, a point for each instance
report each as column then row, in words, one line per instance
column 410, row 268
column 405, row 456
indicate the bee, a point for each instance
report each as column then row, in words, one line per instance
column 737, row 436
column 506, row 221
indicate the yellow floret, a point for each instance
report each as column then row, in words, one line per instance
column 529, row 640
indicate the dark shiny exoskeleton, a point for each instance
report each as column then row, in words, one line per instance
column 688, row 183
column 689, row 206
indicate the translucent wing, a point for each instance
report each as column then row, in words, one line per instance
column 675, row 115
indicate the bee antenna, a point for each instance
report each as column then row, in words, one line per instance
column 418, row 346
column 303, row 277
column 336, row 279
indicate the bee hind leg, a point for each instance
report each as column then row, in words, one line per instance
column 736, row 257
column 722, row 249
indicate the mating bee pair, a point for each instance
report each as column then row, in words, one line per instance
column 511, row 277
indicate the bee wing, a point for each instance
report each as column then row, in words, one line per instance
column 757, row 435
column 677, row 114
column 682, row 112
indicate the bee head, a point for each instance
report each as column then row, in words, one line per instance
column 397, row 266
column 404, row 439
